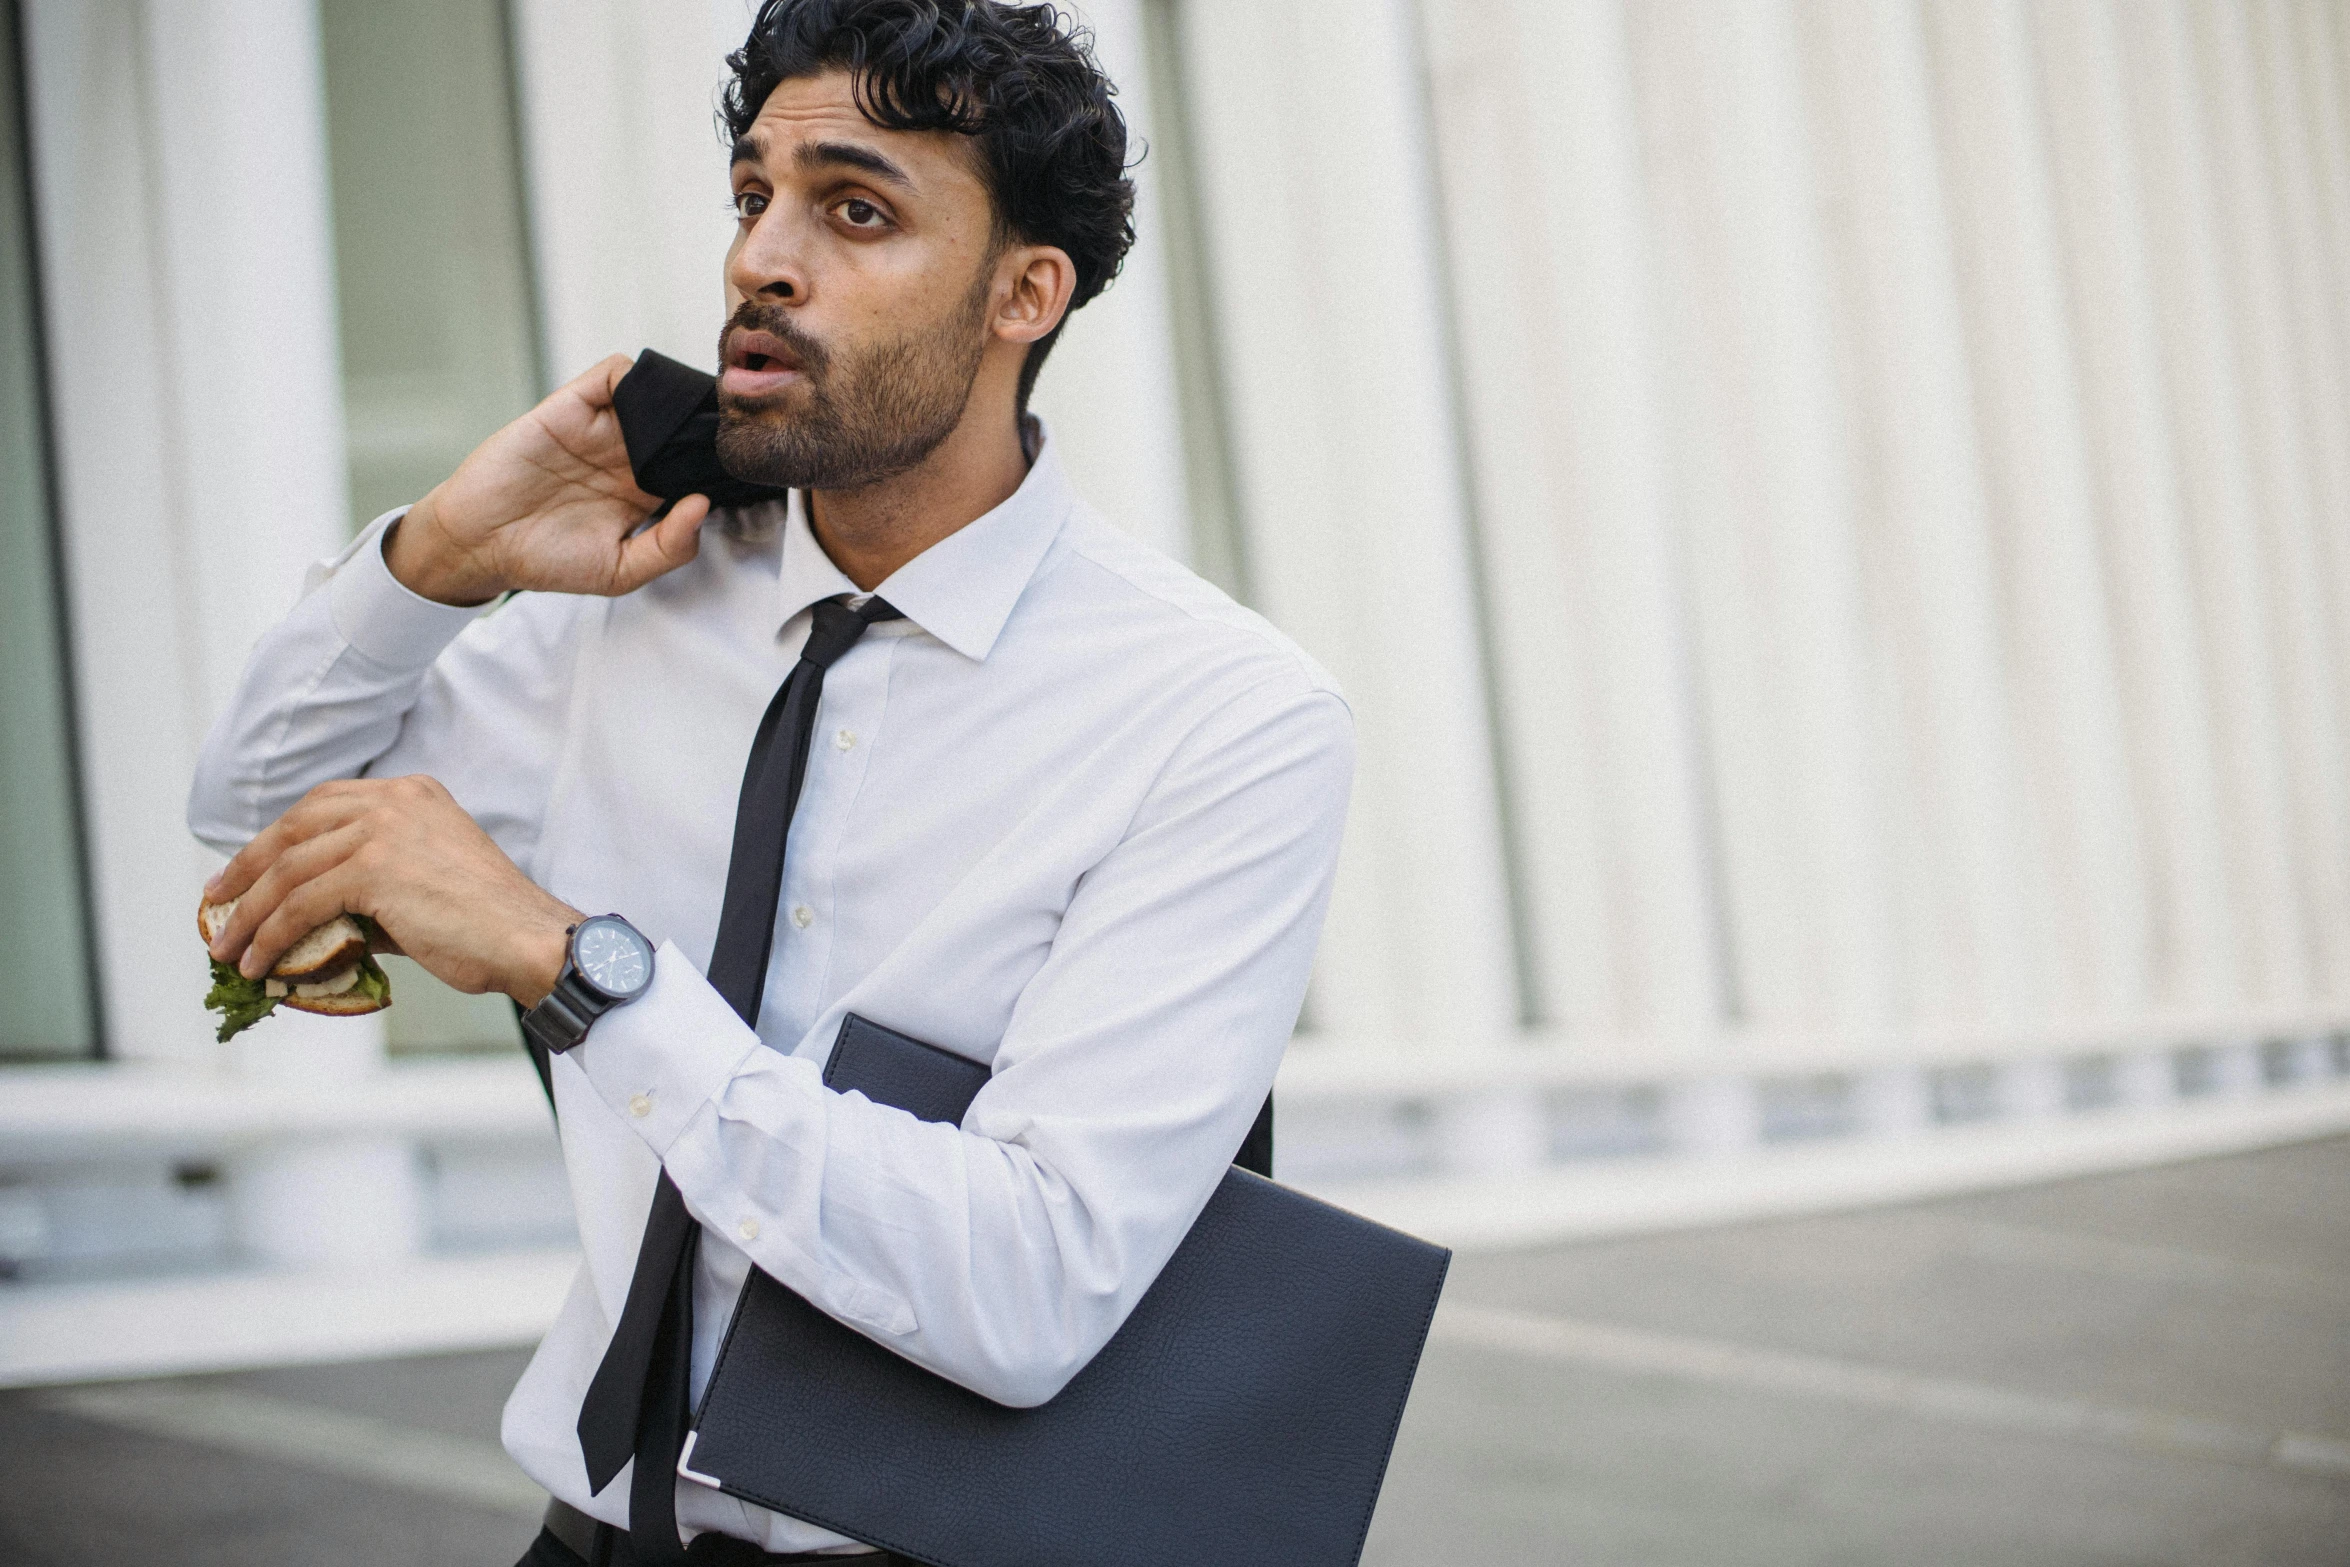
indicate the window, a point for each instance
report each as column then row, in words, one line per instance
column 436, row 310
column 432, row 261
column 49, row 1007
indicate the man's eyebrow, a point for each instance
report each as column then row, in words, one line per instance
column 815, row 155
column 746, row 151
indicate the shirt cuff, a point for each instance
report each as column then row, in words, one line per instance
column 659, row 1059
column 379, row 616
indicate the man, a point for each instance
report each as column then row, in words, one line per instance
column 1064, row 809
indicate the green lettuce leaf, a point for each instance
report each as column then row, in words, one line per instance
column 374, row 983
column 238, row 1000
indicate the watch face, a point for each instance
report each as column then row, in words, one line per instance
column 611, row 956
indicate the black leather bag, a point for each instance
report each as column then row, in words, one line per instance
column 1241, row 1417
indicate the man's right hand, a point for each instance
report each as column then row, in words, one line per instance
column 547, row 503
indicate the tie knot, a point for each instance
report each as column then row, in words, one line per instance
column 837, row 628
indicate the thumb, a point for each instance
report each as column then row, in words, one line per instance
column 663, row 547
column 598, row 381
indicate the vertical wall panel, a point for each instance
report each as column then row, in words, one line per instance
column 141, row 697
column 1764, row 477
column 1317, row 210
column 2190, row 684
column 1109, row 387
column 1552, row 276
column 2205, row 367
column 2328, row 129
column 440, row 337
column 2205, row 238
column 248, row 290
column 1974, row 903
column 2281, row 287
column 2086, row 815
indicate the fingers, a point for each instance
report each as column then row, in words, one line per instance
column 663, row 547
column 306, row 906
column 595, row 384
column 401, row 850
column 608, row 451
column 321, row 810
column 277, row 910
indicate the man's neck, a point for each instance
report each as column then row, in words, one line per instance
column 872, row 531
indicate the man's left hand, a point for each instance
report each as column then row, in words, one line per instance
column 404, row 853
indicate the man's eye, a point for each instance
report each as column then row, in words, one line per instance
column 861, row 214
column 749, row 204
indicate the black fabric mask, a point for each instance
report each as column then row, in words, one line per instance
column 669, row 418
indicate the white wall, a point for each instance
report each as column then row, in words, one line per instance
column 1833, row 515
column 186, row 261
column 1317, row 202
column 1730, row 454
column 1909, row 443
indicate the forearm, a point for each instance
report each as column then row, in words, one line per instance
column 977, row 1256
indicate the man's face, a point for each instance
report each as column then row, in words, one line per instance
column 860, row 282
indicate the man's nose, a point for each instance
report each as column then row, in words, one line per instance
column 769, row 262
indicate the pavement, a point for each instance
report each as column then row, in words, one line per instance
column 2135, row 1370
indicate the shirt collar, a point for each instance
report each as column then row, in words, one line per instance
column 961, row 590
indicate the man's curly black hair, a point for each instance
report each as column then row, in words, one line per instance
column 1019, row 79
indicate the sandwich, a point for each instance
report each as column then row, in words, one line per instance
column 330, row 972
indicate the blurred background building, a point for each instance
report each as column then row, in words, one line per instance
column 1834, row 516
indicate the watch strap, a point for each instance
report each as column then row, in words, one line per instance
column 563, row 1018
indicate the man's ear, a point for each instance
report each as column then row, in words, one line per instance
column 1042, row 281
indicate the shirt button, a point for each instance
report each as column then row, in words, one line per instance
column 748, row 1229
column 846, row 739
column 640, row 1106
column 803, row 916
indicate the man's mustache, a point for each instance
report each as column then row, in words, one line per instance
column 810, row 356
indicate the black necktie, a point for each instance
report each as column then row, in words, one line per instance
column 636, row 1406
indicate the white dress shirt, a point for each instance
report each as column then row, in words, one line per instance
column 1075, row 816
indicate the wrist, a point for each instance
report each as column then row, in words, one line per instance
column 540, row 951
column 421, row 559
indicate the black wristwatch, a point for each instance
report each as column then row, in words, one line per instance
column 608, row 964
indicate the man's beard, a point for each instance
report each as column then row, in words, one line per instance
column 868, row 417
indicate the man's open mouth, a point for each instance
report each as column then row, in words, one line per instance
column 757, row 363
